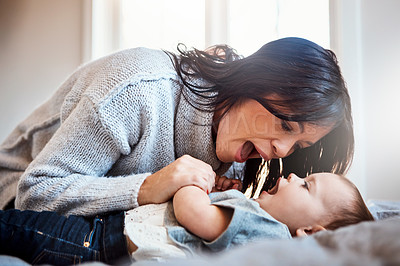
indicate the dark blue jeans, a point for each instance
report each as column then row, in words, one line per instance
column 48, row 238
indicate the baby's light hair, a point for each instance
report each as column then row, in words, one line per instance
column 348, row 213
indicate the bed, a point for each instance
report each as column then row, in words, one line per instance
column 367, row 243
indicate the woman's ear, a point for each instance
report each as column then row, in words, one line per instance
column 309, row 230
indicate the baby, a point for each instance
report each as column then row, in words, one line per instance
column 293, row 207
column 192, row 223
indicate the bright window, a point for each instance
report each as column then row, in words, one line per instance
column 162, row 24
column 252, row 25
column 243, row 24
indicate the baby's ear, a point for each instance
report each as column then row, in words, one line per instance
column 309, row 230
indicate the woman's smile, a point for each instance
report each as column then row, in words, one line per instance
column 249, row 150
column 248, row 130
column 245, row 151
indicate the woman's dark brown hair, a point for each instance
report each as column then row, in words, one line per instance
column 309, row 87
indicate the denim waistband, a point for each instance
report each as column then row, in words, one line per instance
column 115, row 248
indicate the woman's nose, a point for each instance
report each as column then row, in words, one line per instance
column 281, row 148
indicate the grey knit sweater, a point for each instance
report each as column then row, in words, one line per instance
column 115, row 121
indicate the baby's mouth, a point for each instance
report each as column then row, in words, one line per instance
column 275, row 188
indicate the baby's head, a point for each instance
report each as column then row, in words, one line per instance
column 319, row 201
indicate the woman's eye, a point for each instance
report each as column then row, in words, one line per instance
column 305, row 185
column 285, row 126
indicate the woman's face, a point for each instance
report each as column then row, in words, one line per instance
column 249, row 131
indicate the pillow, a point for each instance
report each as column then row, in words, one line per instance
column 383, row 209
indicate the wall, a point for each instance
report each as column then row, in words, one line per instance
column 381, row 51
column 367, row 42
column 40, row 44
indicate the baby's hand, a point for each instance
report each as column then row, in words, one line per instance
column 223, row 183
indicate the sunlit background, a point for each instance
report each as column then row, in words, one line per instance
column 244, row 25
column 43, row 41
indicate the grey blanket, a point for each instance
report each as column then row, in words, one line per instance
column 368, row 243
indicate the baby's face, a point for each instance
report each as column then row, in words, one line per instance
column 299, row 202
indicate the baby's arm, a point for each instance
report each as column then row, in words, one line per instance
column 194, row 211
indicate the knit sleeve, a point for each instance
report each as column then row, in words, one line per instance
column 70, row 174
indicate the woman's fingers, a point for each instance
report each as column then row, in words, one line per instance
column 186, row 170
column 196, row 172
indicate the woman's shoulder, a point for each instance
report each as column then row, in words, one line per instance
column 106, row 76
column 126, row 64
column 103, row 79
column 138, row 60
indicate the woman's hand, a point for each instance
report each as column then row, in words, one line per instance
column 186, row 170
column 223, row 183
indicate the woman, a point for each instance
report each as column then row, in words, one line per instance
column 134, row 127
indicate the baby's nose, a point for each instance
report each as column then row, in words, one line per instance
column 292, row 176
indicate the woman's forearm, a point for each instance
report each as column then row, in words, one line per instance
column 69, row 175
column 194, row 211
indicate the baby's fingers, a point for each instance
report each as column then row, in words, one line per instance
column 237, row 185
column 231, row 184
column 219, row 180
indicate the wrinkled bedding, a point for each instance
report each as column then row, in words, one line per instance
column 368, row 243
